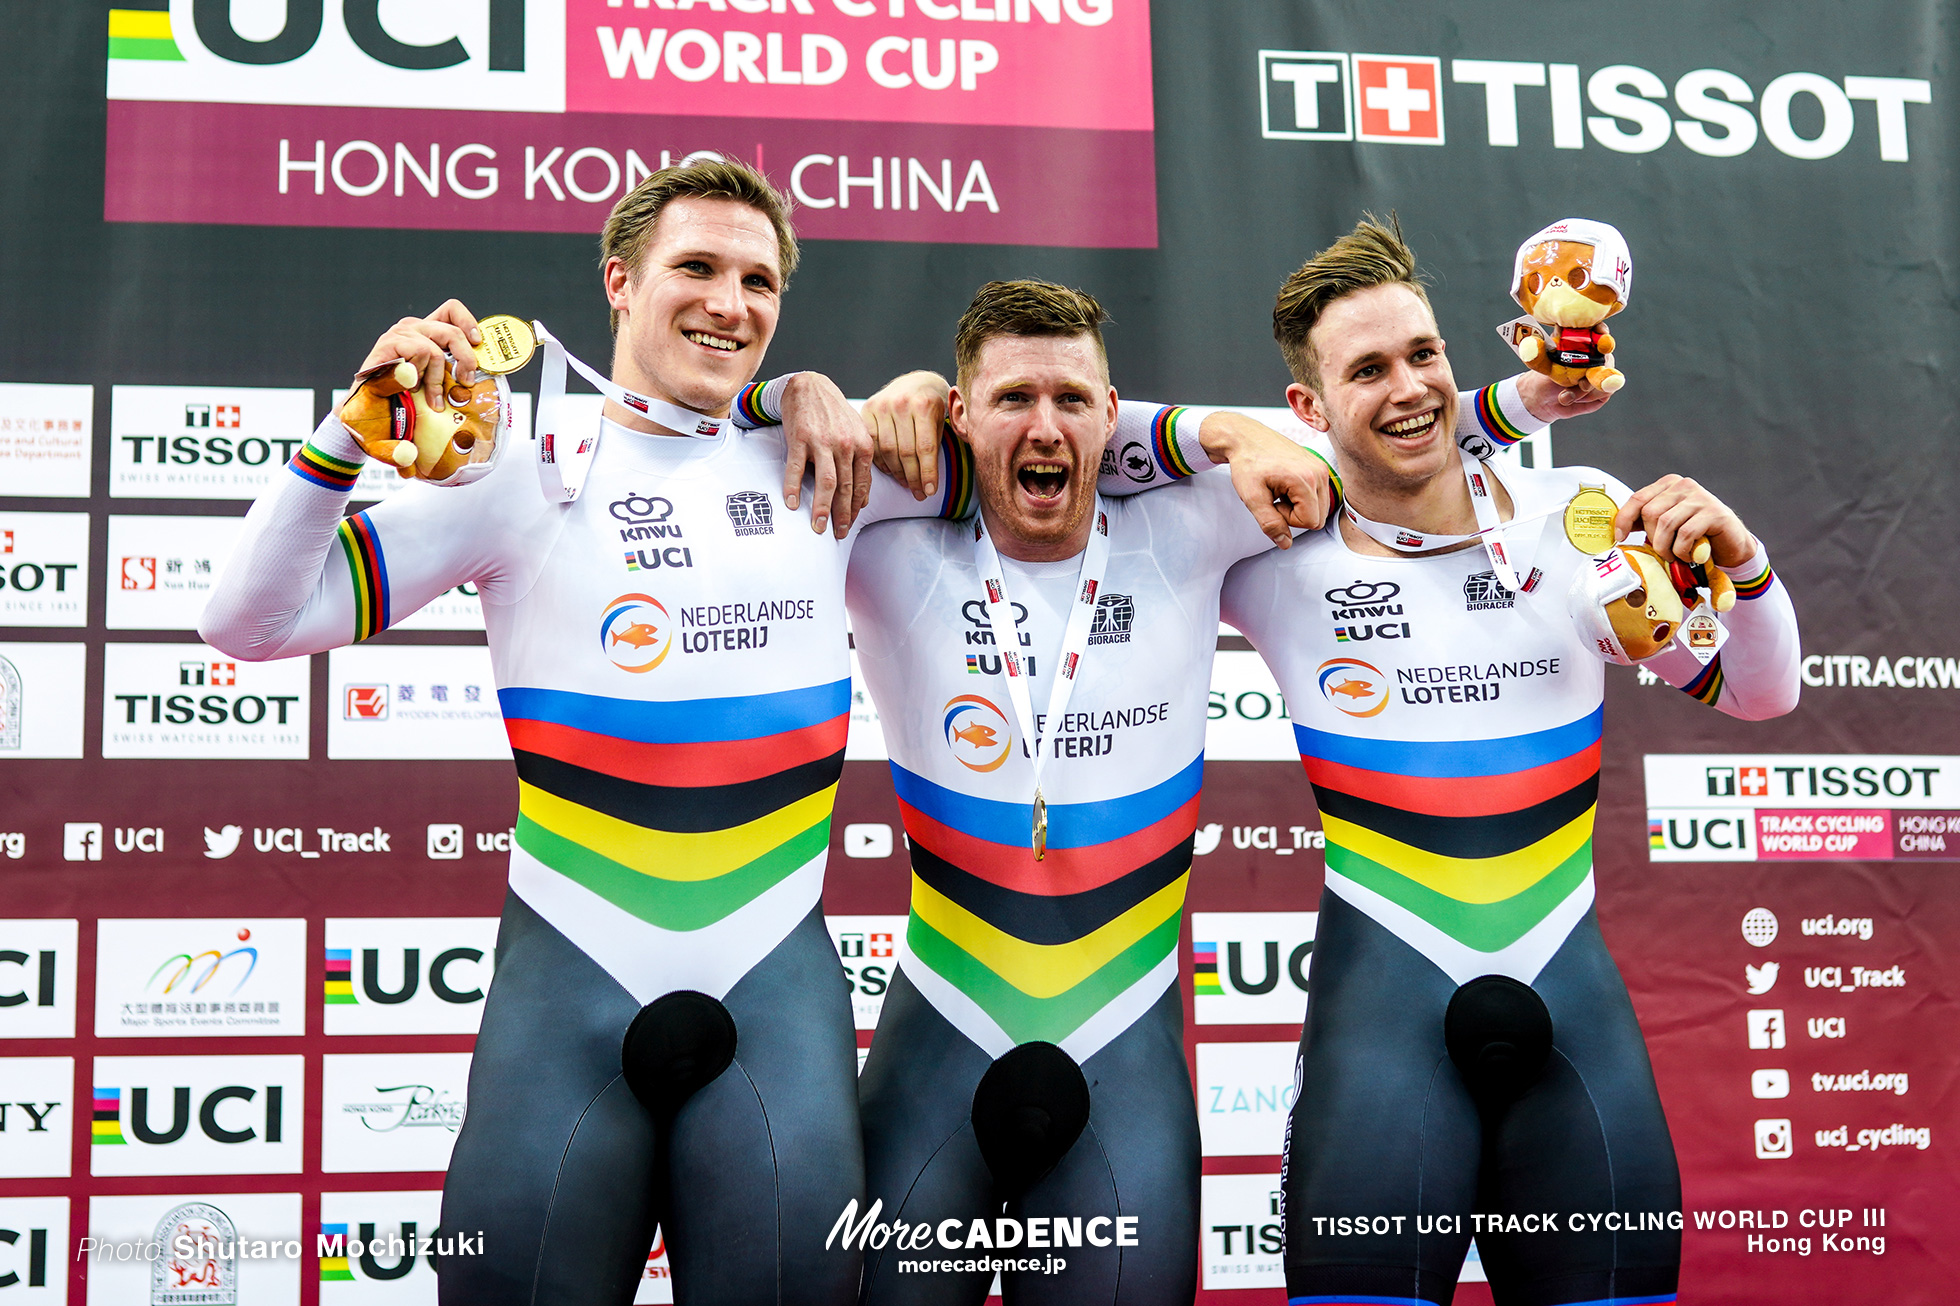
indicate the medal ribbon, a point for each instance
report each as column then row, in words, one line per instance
column 562, row 462
column 1075, row 641
column 1489, row 532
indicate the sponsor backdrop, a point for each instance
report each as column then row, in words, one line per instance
column 250, row 909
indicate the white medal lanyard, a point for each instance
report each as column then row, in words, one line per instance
column 1075, row 641
column 1489, row 532
column 562, row 462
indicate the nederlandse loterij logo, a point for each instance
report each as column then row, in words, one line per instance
column 977, row 732
column 636, row 633
column 1354, row 686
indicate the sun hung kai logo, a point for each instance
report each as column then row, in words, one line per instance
column 977, row 733
column 636, row 634
column 1353, row 686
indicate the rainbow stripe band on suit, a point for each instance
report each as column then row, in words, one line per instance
column 1491, row 419
column 677, row 813
column 1042, row 947
column 323, row 469
column 1755, row 589
column 1163, row 444
column 368, row 567
column 1481, row 839
column 1706, row 687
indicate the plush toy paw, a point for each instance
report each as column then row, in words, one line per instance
column 1606, row 379
column 388, row 415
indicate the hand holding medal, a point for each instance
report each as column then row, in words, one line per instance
column 453, row 436
column 1636, row 599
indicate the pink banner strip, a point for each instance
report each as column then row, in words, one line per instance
column 303, row 166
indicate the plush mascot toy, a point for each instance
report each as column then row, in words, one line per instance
column 387, row 413
column 1569, row 278
column 1632, row 602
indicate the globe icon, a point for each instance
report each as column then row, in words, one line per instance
column 1759, row 927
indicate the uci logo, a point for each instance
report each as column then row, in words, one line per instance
column 635, row 633
column 977, row 733
column 1354, row 686
column 415, row 46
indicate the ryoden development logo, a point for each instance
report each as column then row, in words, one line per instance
column 636, row 634
column 977, row 733
column 1354, row 686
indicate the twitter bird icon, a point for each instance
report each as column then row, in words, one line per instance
column 1761, row 978
column 221, row 843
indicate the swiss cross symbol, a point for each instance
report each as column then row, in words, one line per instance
column 228, row 416
column 1398, row 98
column 1754, row 781
column 224, row 673
column 6, row 541
column 881, row 945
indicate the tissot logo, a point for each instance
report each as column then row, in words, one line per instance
column 1320, row 95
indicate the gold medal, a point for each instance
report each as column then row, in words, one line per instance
column 1040, row 825
column 508, row 344
column 1589, row 520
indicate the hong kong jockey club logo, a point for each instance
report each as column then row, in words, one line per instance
column 636, row 633
column 1353, row 686
column 977, row 733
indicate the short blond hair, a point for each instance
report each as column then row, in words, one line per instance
column 1026, row 308
column 1370, row 255
column 629, row 227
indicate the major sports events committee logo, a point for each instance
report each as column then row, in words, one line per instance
column 1382, row 98
column 977, row 732
column 1354, row 686
column 636, row 634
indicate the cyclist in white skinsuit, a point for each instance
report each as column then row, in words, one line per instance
column 1450, row 726
column 670, row 655
column 1075, row 951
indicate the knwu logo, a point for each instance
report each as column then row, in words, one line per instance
column 1320, row 95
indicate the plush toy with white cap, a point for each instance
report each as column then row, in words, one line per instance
column 1569, row 278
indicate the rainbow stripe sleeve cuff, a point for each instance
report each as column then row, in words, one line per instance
column 1174, row 442
column 956, row 476
column 329, row 462
column 760, row 403
column 1498, row 411
column 1754, row 577
column 367, row 566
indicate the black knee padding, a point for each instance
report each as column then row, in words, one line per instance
column 1499, row 1034
column 678, row 1044
column 1028, row 1110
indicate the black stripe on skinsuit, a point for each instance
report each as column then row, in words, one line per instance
column 1463, row 836
column 1046, row 919
column 673, row 808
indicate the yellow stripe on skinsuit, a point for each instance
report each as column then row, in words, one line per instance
column 664, row 854
column 1466, row 879
column 140, row 24
column 1045, row 970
